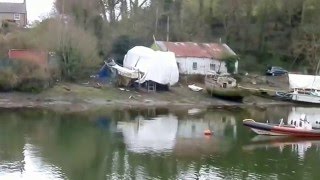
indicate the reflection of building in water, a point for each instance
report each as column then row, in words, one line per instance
column 157, row 134
column 313, row 115
column 164, row 133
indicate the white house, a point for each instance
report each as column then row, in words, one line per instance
column 198, row 58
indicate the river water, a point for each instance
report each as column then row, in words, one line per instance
column 152, row 144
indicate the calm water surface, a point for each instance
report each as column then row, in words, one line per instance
column 152, row 144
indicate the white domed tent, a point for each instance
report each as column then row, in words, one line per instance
column 159, row 67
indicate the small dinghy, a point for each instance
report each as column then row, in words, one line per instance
column 299, row 128
column 195, row 88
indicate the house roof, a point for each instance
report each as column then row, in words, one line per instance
column 200, row 50
column 13, row 8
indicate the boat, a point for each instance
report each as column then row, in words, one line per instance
column 284, row 96
column 129, row 73
column 296, row 127
column 195, row 88
column 125, row 75
column 224, row 86
column 304, row 88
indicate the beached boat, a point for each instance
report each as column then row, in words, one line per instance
column 296, row 127
column 304, row 88
column 224, row 86
column 126, row 76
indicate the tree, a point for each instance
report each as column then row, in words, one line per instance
column 262, row 30
column 75, row 48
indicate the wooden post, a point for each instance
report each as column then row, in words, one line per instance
column 156, row 23
column 168, row 27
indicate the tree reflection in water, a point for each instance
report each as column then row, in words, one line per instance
column 145, row 144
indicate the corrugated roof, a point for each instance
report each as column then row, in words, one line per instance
column 191, row 49
column 13, row 8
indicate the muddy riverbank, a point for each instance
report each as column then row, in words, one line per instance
column 79, row 97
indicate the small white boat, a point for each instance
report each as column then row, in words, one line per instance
column 194, row 111
column 305, row 88
column 195, row 88
column 307, row 97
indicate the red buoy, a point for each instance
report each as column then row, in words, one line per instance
column 207, row 132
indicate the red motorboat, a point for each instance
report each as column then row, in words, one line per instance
column 299, row 128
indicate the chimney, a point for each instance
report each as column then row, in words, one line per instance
column 24, row 1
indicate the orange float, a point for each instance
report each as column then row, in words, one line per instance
column 207, row 132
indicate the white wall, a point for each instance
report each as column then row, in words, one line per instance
column 203, row 65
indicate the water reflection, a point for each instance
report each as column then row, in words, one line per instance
column 20, row 159
column 149, row 144
column 165, row 133
column 144, row 135
column 313, row 115
column 299, row 146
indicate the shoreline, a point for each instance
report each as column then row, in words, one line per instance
column 72, row 97
column 76, row 105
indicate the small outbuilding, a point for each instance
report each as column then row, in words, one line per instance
column 198, row 58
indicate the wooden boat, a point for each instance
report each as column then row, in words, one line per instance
column 298, row 128
column 224, row 86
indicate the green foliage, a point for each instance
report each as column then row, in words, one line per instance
column 32, row 76
column 272, row 32
column 120, row 47
column 230, row 64
column 75, row 47
column 23, row 76
column 8, row 79
column 265, row 32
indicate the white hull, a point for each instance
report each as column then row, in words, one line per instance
column 195, row 88
column 125, row 72
column 306, row 98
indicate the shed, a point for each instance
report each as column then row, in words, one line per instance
column 38, row 57
column 198, row 58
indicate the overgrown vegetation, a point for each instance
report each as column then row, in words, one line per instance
column 83, row 32
column 270, row 32
column 75, row 48
column 23, row 76
column 230, row 62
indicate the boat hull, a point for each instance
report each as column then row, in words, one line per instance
column 306, row 98
column 276, row 130
column 233, row 94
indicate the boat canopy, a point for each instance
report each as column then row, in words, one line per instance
column 157, row 66
column 300, row 81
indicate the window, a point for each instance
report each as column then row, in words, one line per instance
column 16, row 17
column 194, row 66
column 212, row 67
